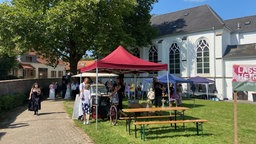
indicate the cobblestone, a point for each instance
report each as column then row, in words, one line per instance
column 52, row 126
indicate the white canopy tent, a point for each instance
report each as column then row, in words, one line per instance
column 91, row 74
column 88, row 74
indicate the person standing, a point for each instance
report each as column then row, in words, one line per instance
column 142, row 90
column 85, row 96
column 68, row 92
column 179, row 94
column 34, row 98
column 52, row 91
column 132, row 90
column 171, row 90
column 151, row 95
column 57, row 89
column 119, row 89
column 73, row 90
column 158, row 88
column 63, row 89
column 127, row 91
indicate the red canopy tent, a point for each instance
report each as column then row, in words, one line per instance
column 123, row 62
column 120, row 61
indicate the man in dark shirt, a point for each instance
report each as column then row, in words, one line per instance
column 158, row 89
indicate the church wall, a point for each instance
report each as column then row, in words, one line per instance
column 220, row 69
column 229, row 71
column 246, row 38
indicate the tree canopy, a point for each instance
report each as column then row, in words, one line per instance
column 66, row 29
column 6, row 64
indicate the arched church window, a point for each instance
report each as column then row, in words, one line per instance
column 136, row 52
column 174, row 59
column 202, row 57
column 153, row 56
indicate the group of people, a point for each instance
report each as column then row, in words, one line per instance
column 67, row 90
column 131, row 90
column 155, row 94
column 115, row 89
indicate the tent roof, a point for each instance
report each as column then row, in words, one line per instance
column 124, row 62
column 198, row 80
column 172, row 78
column 87, row 74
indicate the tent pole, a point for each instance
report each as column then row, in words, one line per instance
column 207, row 90
column 235, row 119
column 168, row 88
column 96, row 97
column 135, row 82
column 80, row 77
column 175, row 93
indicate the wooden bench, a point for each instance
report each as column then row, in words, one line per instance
column 127, row 123
column 142, row 124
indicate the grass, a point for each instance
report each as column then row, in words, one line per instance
column 218, row 129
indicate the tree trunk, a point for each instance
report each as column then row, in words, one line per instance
column 73, row 65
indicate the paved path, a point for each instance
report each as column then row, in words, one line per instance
column 52, row 126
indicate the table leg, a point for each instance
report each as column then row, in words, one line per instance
column 143, row 132
column 197, row 131
column 170, row 117
column 183, row 119
column 175, row 118
column 129, row 124
column 135, row 128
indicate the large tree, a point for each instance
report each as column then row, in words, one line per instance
column 66, row 29
column 7, row 63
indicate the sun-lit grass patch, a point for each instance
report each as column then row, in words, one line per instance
column 218, row 129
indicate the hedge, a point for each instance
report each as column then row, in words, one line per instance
column 10, row 101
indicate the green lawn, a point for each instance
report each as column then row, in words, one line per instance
column 218, row 129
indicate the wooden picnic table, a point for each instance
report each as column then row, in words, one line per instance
column 152, row 109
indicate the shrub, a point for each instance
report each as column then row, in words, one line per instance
column 10, row 101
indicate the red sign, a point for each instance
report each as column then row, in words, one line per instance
column 244, row 73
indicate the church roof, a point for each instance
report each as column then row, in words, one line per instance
column 194, row 19
column 240, row 51
column 245, row 24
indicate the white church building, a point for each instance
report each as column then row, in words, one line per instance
column 198, row 42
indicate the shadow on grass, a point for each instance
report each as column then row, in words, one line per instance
column 6, row 118
column 175, row 136
column 191, row 105
column 161, row 132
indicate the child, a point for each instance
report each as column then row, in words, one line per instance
column 151, row 95
column 86, row 96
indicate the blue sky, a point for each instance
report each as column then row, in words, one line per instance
column 226, row 9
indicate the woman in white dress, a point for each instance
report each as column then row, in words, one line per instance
column 68, row 92
column 52, row 91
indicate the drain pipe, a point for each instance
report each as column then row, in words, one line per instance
column 214, row 52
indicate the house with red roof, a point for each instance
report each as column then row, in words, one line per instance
column 33, row 66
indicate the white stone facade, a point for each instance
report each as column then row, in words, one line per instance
column 218, row 40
